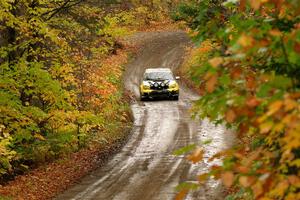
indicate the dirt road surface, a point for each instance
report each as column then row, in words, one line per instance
column 146, row 169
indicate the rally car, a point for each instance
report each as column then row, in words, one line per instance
column 159, row 82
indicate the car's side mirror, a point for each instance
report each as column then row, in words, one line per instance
column 177, row 77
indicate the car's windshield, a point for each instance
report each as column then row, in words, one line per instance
column 158, row 76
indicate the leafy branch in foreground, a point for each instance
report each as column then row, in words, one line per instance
column 249, row 80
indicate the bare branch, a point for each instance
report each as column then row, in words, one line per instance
column 67, row 4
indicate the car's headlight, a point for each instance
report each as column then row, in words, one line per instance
column 146, row 87
column 173, row 85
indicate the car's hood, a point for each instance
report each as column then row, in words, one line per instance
column 152, row 82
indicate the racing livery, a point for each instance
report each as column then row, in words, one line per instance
column 159, row 82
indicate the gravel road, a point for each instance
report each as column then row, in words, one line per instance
column 146, row 169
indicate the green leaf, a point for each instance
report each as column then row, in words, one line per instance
column 187, row 186
column 208, row 141
column 185, row 149
column 225, row 80
column 264, row 90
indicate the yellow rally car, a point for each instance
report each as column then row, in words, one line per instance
column 159, row 82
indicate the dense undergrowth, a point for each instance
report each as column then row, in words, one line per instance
column 245, row 65
column 61, row 69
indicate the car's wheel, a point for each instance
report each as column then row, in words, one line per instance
column 176, row 98
column 143, row 98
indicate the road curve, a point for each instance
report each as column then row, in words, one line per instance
column 145, row 169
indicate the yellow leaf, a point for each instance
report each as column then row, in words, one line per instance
column 274, row 107
column 215, row 62
column 262, row 118
column 287, row 119
column 296, row 163
column 292, row 139
column 266, row 127
column 292, row 196
column 290, row 104
column 281, row 188
column 40, row 137
column 278, row 127
column 265, row 198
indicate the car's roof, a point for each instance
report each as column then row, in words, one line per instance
column 158, row 70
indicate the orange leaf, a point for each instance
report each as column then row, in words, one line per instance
column 290, row 104
column 196, row 156
column 250, row 82
column 295, row 95
column 265, row 198
column 202, row 89
column 230, row 116
column 211, row 83
column 255, row 4
column 227, row 178
column 216, row 156
column 245, row 40
column 278, row 4
column 297, row 47
column 247, row 161
column 275, row 32
column 236, row 72
column 274, row 107
column 246, row 181
column 294, row 180
column 281, row 188
column 257, row 189
column 252, row 102
column 203, row 177
column 242, row 169
column 242, row 5
column 181, row 195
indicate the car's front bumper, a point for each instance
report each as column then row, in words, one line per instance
column 169, row 93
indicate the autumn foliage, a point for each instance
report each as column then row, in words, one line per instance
column 247, row 69
column 61, row 67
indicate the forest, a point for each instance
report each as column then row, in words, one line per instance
column 61, row 75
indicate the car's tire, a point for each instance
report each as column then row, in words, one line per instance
column 143, row 98
column 175, row 98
